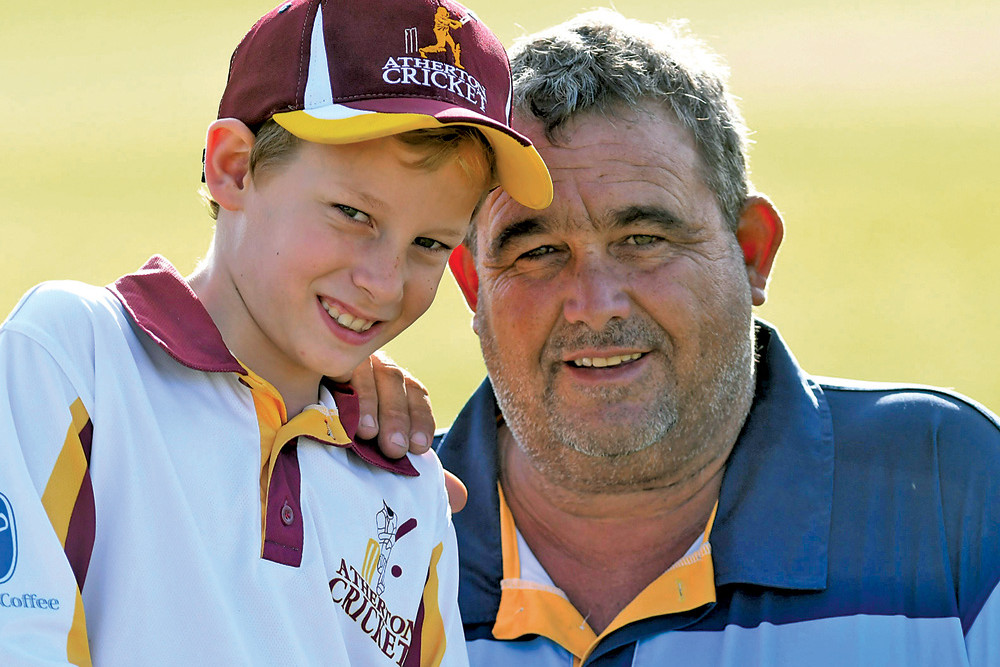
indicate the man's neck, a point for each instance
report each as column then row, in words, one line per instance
column 603, row 548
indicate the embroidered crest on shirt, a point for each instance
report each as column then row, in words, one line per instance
column 378, row 552
column 359, row 593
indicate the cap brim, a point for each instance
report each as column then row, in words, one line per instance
column 520, row 168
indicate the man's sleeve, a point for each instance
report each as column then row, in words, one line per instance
column 46, row 504
column 968, row 440
column 983, row 638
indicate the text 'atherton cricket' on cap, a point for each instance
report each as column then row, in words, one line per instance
column 342, row 71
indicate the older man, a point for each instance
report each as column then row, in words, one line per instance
column 652, row 477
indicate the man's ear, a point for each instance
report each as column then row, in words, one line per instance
column 464, row 269
column 759, row 234
column 227, row 161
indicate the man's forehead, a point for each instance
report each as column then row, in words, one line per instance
column 601, row 183
column 616, row 124
column 647, row 143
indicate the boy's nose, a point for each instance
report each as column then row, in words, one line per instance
column 381, row 274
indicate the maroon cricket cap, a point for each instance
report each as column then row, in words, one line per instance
column 343, row 71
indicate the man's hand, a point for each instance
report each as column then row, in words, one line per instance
column 395, row 407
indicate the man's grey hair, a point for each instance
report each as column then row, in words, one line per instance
column 601, row 61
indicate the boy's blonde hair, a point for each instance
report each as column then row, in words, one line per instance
column 274, row 145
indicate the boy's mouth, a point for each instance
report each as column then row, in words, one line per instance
column 346, row 320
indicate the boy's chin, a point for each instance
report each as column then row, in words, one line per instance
column 339, row 374
column 344, row 369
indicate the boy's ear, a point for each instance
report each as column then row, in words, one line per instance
column 759, row 234
column 227, row 161
column 464, row 269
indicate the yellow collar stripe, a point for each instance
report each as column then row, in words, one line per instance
column 317, row 422
column 528, row 607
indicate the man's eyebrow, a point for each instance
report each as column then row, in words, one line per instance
column 655, row 214
column 514, row 231
column 620, row 218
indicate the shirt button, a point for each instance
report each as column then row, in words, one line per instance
column 287, row 514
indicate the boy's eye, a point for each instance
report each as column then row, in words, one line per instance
column 640, row 239
column 430, row 244
column 352, row 213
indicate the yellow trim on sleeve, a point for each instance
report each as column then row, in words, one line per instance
column 77, row 643
column 63, row 487
column 433, row 641
column 59, row 498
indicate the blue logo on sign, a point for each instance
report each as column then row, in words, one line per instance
column 8, row 540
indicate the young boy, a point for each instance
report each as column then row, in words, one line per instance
column 180, row 480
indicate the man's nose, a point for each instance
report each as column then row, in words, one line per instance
column 596, row 292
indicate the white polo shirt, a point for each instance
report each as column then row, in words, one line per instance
column 157, row 506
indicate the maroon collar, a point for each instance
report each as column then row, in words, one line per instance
column 164, row 306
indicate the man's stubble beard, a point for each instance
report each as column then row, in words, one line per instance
column 675, row 433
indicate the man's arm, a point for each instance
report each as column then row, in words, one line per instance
column 968, row 449
column 396, row 408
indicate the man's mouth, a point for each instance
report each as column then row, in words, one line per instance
column 604, row 362
column 346, row 320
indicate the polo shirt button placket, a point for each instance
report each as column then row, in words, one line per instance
column 287, row 514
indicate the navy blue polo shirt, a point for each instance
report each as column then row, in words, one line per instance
column 857, row 523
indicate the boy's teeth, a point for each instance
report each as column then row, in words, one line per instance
column 347, row 320
column 604, row 362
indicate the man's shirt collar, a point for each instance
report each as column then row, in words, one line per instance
column 777, row 493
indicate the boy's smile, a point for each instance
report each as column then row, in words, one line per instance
column 346, row 319
column 330, row 254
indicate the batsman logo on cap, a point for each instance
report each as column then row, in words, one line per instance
column 443, row 25
column 313, row 66
column 422, row 71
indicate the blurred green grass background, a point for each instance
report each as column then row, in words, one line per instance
column 877, row 129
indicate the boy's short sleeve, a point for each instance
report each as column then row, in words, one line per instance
column 442, row 637
column 46, row 502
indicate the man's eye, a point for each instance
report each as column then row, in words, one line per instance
column 539, row 251
column 641, row 239
column 430, row 244
column 352, row 213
